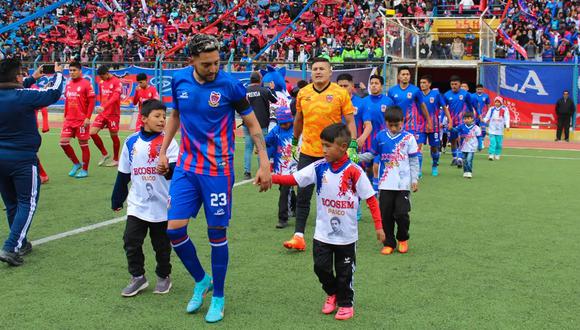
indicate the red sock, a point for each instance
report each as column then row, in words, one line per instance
column 41, row 170
column 116, row 147
column 86, row 154
column 68, row 150
column 44, row 112
column 99, row 143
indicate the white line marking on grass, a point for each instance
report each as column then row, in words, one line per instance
column 98, row 225
column 537, row 157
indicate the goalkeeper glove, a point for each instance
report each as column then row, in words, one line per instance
column 295, row 154
column 352, row 151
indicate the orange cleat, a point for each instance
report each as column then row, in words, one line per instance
column 387, row 250
column 403, row 246
column 329, row 305
column 344, row 313
column 297, row 242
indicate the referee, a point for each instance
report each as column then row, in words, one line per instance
column 19, row 143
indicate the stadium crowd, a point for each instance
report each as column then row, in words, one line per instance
column 546, row 29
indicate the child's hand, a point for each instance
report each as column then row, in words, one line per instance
column 381, row 235
column 415, row 186
column 118, row 209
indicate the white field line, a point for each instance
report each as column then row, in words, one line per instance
column 97, row 225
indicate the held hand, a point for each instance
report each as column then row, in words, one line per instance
column 163, row 164
column 38, row 73
column 414, row 186
column 429, row 126
column 352, row 151
column 99, row 109
column 360, row 142
column 295, row 154
column 87, row 122
column 381, row 235
column 263, row 179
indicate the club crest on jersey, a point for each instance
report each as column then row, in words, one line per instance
column 461, row 97
column 409, row 95
column 431, row 100
column 126, row 89
column 214, row 99
column 79, row 89
column 355, row 110
column 329, row 98
column 383, row 107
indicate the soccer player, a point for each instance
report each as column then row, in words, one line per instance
column 205, row 102
column 345, row 81
column 19, row 143
column 398, row 175
column 434, row 102
column 340, row 184
column 109, row 115
column 374, row 108
column 409, row 98
column 481, row 103
column 138, row 165
column 458, row 101
column 143, row 92
column 318, row 105
column 78, row 109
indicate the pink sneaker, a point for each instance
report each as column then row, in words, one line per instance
column 329, row 305
column 344, row 313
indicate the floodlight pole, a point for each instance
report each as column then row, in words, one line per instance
column 384, row 50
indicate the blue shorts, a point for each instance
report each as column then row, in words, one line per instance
column 453, row 135
column 189, row 190
column 434, row 139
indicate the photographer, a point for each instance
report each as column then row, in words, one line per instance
column 19, row 143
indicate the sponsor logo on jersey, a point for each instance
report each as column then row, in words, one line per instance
column 183, row 95
column 220, row 212
column 214, row 99
column 337, row 204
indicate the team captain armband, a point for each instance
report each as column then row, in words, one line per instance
column 242, row 106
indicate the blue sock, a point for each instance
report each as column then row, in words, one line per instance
column 185, row 250
column 375, row 183
column 219, row 259
column 435, row 156
column 420, row 155
column 454, row 152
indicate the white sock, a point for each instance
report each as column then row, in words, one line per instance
column 299, row 234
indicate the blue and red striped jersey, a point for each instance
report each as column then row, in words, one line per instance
column 434, row 101
column 357, row 103
column 409, row 99
column 375, row 107
column 458, row 103
column 207, row 116
column 480, row 103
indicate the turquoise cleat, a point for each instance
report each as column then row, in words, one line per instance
column 434, row 171
column 216, row 310
column 199, row 291
column 82, row 174
column 75, row 169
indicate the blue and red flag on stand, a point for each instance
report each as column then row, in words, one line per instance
column 509, row 41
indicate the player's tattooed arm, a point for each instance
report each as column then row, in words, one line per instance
column 259, row 141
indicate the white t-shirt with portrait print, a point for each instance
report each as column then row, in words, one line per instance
column 149, row 193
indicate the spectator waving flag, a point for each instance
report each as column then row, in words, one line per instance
column 524, row 7
column 509, row 41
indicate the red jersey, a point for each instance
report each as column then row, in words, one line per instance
column 110, row 96
column 80, row 100
column 142, row 95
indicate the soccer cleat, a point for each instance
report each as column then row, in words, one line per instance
column 496, row 157
column 490, row 157
column 75, row 169
column 465, row 175
column 136, row 285
column 387, row 250
column 215, row 313
column 454, row 162
column 11, row 258
column 468, row 175
column 282, row 224
column 25, row 249
column 434, row 171
column 82, row 174
column 344, row 313
column 113, row 163
column 403, row 246
column 199, row 291
column 163, row 285
column 459, row 163
column 297, row 242
column 329, row 304
column 247, row 176
column 420, row 175
column 43, row 179
column 103, row 160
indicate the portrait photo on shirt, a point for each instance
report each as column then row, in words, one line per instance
column 335, row 224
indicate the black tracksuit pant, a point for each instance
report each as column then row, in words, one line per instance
column 563, row 124
column 286, row 202
column 395, row 207
column 334, row 265
column 135, row 233
column 304, row 195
